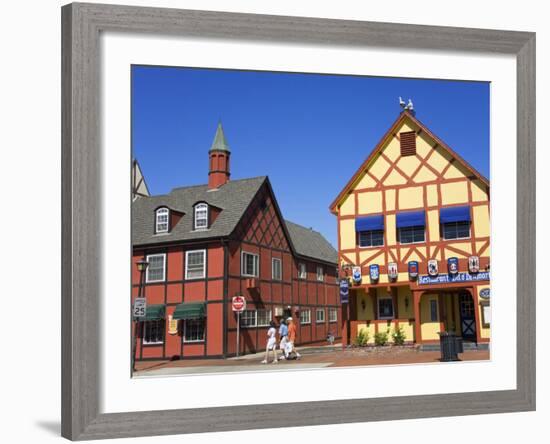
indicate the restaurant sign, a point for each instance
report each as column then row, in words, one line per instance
column 449, row 278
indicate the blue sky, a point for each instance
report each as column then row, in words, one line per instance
column 309, row 133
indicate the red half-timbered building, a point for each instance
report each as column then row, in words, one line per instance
column 205, row 244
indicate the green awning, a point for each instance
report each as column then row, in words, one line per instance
column 190, row 310
column 154, row 312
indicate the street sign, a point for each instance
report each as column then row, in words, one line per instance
column 140, row 307
column 238, row 304
column 344, row 291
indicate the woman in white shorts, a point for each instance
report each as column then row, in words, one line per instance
column 271, row 343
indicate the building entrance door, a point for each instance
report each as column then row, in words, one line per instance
column 467, row 316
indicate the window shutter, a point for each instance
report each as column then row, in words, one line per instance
column 408, row 143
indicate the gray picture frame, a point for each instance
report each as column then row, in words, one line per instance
column 81, row 211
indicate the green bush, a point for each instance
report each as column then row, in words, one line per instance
column 399, row 336
column 381, row 338
column 362, row 338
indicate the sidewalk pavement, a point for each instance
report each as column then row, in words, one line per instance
column 311, row 358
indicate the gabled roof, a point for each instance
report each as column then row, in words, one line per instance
column 233, row 198
column 310, row 243
column 402, row 117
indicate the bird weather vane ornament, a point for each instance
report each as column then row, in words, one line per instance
column 406, row 106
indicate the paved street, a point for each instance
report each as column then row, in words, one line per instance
column 314, row 357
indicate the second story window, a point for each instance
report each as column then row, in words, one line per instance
column 370, row 231
column 161, row 220
column 302, row 272
column 455, row 222
column 195, row 264
column 320, row 274
column 411, row 227
column 156, row 269
column 201, row 217
column 249, row 264
column 276, row 269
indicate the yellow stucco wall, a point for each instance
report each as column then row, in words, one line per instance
column 348, row 206
column 482, row 226
column 347, row 234
column 429, row 329
column 454, row 193
column 370, row 202
column 411, row 197
column 433, row 225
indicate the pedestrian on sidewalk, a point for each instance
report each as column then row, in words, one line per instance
column 283, row 338
column 292, row 339
column 271, row 343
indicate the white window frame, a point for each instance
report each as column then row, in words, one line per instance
column 302, row 314
column 332, row 311
column 456, row 238
column 410, row 243
column 269, row 317
column 256, row 264
column 148, row 259
column 273, row 276
column 187, row 264
column 192, row 341
column 202, row 206
column 300, row 274
column 317, row 311
column 160, row 212
column 320, row 276
column 163, row 326
column 255, row 317
column 381, row 298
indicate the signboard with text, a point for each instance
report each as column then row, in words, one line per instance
column 449, row 278
column 238, row 304
column 140, row 308
column 344, row 291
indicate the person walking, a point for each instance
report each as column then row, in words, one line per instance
column 271, row 343
column 292, row 338
column 283, row 338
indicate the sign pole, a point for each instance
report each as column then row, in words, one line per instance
column 238, row 330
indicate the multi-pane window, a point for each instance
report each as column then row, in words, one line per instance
column 276, row 269
column 156, row 268
column 195, row 264
column 302, row 272
column 256, row 318
column 153, row 332
column 456, row 230
column 320, row 273
column 249, row 264
column 201, row 216
column 332, row 315
column 161, row 221
column 385, row 308
column 411, row 235
column 372, row 238
column 305, row 316
column 320, row 315
column 193, row 330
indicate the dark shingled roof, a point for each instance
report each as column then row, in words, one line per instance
column 310, row 243
column 233, row 198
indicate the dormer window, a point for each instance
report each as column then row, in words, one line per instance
column 201, row 216
column 162, row 216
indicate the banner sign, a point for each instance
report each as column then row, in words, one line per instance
column 356, row 274
column 374, row 272
column 449, row 278
column 473, row 264
column 452, row 265
column 413, row 270
column 344, row 291
column 392, row 270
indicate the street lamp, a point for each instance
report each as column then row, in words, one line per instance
column 142, row 265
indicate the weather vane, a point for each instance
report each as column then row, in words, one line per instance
column 406, row 106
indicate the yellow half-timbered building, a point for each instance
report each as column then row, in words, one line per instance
column 414, row 240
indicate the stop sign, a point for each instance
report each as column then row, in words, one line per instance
column 238, row 303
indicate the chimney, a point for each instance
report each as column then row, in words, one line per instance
column 219, row 153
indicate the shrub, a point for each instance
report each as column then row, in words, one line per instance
column 399, row 336
column 362, row 338
column 381, row 338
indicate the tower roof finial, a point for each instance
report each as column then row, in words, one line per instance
column 220, row 142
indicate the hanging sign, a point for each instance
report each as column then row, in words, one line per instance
column 344, row 291
column 172, row 325
column 473, row 264
column 413, row 270
column 485, row 293
column 452, row 265
column 356, row 275
column 432, row 267
column 392, row 270
column 374, row 272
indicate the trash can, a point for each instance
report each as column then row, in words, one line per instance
column 449, row 345
column 459, row 345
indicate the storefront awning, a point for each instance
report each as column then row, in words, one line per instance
column 153, row 313
column 190, row 310
column 411, row 219
column 454, row 214
column 369, row 223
